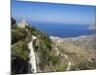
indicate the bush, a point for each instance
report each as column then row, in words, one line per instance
column 21, row 50
column 13, row 21
column 54, row 59
column 84, row 66
column 61, row 67
column 18, row 35
column 46, row 40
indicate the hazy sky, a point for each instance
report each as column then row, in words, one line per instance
column 57, row 13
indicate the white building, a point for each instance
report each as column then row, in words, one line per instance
column 23, row 24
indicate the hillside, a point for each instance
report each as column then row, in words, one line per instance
column 79, row 50
column 20, row 52
column 33, row 51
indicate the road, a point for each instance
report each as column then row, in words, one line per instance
column 32, row 56
column 66, row 57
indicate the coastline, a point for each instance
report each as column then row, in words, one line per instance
column 82, row 36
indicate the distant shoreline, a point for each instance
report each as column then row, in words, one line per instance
column 57, row 37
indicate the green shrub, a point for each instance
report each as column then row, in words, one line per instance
column 21, row 50
column 84, row 66
column 61, row 67
column 54, row 59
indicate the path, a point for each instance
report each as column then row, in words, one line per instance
column 32, row 56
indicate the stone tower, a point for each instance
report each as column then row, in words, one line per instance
column 23, row 24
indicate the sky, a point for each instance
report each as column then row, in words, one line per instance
column 54, row 13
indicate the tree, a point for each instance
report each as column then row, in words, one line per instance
column 13, row 21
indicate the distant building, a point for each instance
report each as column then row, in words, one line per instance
column 23, row 24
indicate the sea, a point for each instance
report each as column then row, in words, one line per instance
column 64, row 30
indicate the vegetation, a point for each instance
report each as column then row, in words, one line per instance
column 84, row 66
column 18, row 35
column 20, row 52
column 55, row 60
column 43, row 48
column 21, row 37
column 46, row 52
column 13, row 23
column 61, row 67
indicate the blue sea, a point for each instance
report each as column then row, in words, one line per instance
column 64, row 30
